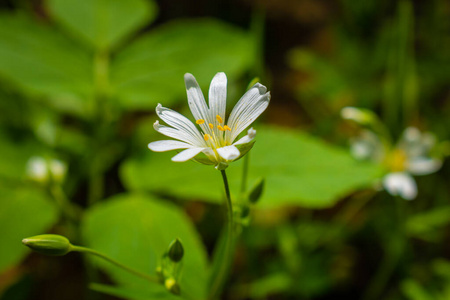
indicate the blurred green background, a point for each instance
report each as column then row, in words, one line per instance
column 79, row 82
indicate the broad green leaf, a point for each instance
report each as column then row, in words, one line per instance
column 298, row 168
column 151, row 69
column 43, row 62
column 17, row 204
column 103, row 23
column 136, row 230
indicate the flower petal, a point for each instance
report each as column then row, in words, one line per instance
column 416, row 143
column 181, row 135
column 251, row 133
column 248, row 108
column 229, row 152
column 181, row 123
column 196, row 100
column 423, row 165
column 367, row 146
column 218, row 96
column 187, row 154
column 400, row 184
column 167, row 145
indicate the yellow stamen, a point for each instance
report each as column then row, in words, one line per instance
column 211, row 126
column 206, row 137
column 220, row 128
column 200, row 121
column 227, row 128
column 219, row 119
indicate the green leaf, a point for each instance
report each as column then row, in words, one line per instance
column 103, row 23
column 43, row 62
column 136, row 230
column 16, row 205
column 426, row 224
column 414, row 291
column 151, row 69
column 298, row 169
column 269, row 285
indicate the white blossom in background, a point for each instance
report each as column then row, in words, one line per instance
column 410, row 156
column 41, row 170
column 212, row 134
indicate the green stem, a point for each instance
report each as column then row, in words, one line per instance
column 101, row 81
column 116, row 263
column 245, row 173
column 69, row 210
column 257, row 28
column 219, row 280
column 392, row 257
column 382, row 276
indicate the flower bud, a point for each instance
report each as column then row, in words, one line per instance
column 358, row 115
column 42, row 170
column 256, row 191
column 49, row 244
column 245, row 211
column 37, row 169
column 172, row 286
column 176, row 250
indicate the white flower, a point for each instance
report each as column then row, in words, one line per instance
column 411, row 156
column 217, row 135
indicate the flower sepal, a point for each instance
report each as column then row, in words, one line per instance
column 244, row 149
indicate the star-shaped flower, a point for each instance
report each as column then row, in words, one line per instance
column 217, row 135
column 410, row 156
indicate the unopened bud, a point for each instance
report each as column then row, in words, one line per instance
column 358, row 115
column 176, row 250
column 245, row 211
column 49, row 244
column 41, row 170
column 256, row 192
column 172, row 286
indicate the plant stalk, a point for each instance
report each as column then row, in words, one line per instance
column 149, row 278
column 219, row 281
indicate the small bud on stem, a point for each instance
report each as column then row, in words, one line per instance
column 49, row 244
column 176, row 250
column 256, row 192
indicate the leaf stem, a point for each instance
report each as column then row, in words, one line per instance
column 219, row 281
column 147, row 277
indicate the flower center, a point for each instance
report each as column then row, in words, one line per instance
column 213, row 134
column 397, row 160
